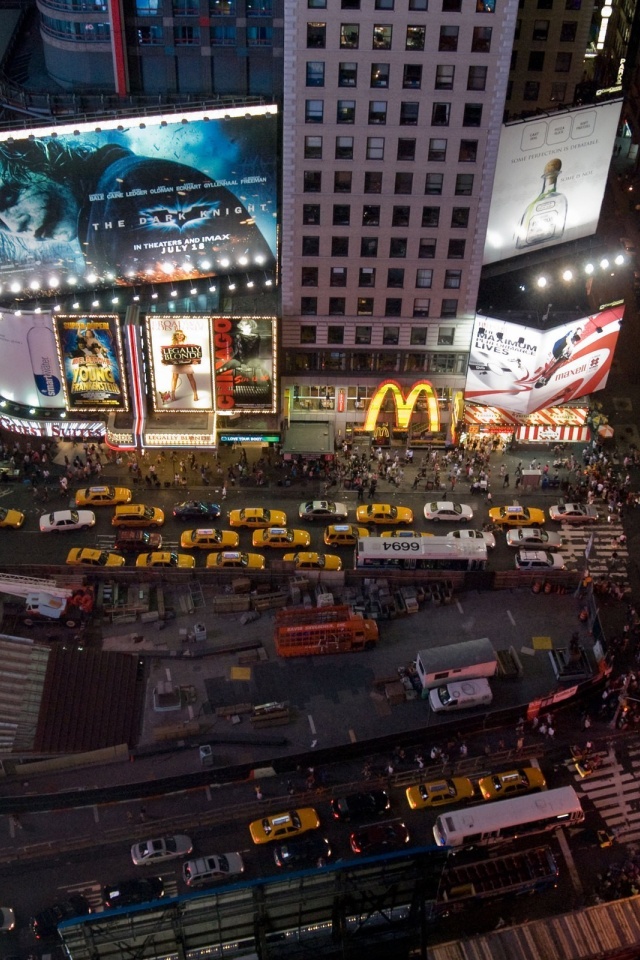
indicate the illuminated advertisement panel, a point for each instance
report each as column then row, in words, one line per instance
column 180, row 349
column 90, row 351
column 31, row 373
column 245, row 360
column 521, row 369
column 550, row 179
column 141, row 201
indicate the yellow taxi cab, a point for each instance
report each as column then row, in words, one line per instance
column 236, row 558
column 209, row 539
column 501, row 785
column 344, row 534
column 281, row 537
column 85, row 557
column 281, row 826
column 314, row 561
column 137, row 515
column 404, row 534
column 517, row 516
column 102, row 496
column 383, row 513
column 11, row 518
column 435, row 793
column 166, row 558
column 257, row 517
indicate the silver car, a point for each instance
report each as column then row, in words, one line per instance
column 533, row 537
column 163, row 848
column 210, row 869
column 326, row 510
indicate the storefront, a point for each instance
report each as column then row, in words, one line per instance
column 563, row 424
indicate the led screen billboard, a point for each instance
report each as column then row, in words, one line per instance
column 550, row 178
column 90, row 352
column 245, row 357
column 140, row 201
column 522, row 369
column 31, row 373
column 180, row 350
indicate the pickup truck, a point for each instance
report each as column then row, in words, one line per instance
column 574, row 513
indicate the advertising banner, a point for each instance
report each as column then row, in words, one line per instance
column 180, row 350
column 550, row 179
column 90, row 351
column 141, row 201
column 245, row 360
column 31, row 373
column 522, row 369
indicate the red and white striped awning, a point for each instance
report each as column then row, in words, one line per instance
column 549, row 433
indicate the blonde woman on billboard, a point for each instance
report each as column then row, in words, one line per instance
column 181, row 356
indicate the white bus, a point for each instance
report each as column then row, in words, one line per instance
column 508, row 819
column 420, row 553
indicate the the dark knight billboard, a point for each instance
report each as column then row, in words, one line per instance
column 147, row 201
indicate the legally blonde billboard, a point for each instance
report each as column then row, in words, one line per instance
column 31, row 373
column 181, row 375
column 245, row 358
column 90, row 352
column 522, row 369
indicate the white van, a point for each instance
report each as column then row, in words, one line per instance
column 461, row 695
column 468, row 660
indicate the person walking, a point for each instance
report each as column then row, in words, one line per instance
column 505, row 482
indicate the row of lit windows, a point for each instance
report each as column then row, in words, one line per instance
column 448, row 6
column 216, row 8
column 408, row 116
column 80, row 32
column 218, row 36
column 434, row 182
column 339, row 361
column 382, row 37
column 366, row 307
column 380, row 75
column 405, row 150
column 390, row 335
column 400, row 217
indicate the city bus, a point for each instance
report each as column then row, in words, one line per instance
column 508, row 819
column 420, row 553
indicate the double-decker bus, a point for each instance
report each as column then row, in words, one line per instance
column 508, row 819
column 420, row 553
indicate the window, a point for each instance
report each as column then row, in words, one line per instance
column 558, row 92
column 316, row 35
column 452, row 279
column 337, row 308
column 449, row 308
column 311, row 214
column 481, row 41
column 368, row 246
column 448, row 38
column 154, row 35
column 312, row 181
column 427, row 248
column 315, row 73
column 364, row 306
column 395, row 277
column 349, row 36
column 350, row 4
column 384, row 4
column 403, row 183
column 313, row 111
column 341, row 214
column 367, row 277
column 472, row 116
column 424, row 279
column 418, row 4
column 400, row 216
column 338, row 277
column 398, row 247
column 460, row 217
column 545, row 4
column 456, row 249
column 486, row 6
column 186, row 36
column 514, row 60
column 382, row 37
column 379, row 75
column 409, row 114
column 437, row 150
column 342, row 181
column 415, row 38
column 375, row 148
column 444, row 77
column 182, row 8
column 307, row 334
column 440, row 114
column 573, row 4
column 433, row 183
column 344, row 148
column 412, row 76
column 464, row 184
column 317, row 4
column 259, row 8
column 393, row 307
column 477, row 78
column 536, row 60
column 430, row 216
column 339, row 246
column 335, row 334
column 346, row 111
column 370, row 216
column 540, row 30
column 363, row 335
column 390, row 335
column 446, row 336
column 563, row 62
column 451, row 6
column 568, row 31
column 308, row 306
column 347, row 74
column 309, row 277
column 313, row 148
column 406, row 149
column 377, row 111
column 311, row 246
column 468, row 152
column 531, row 90
column 373, row 182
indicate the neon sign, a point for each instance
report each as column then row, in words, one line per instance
column 404, row 404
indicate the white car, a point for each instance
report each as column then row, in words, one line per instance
column 539, row 560
column 447, row 510
column 62, row 520
column 210, row 869
column 163, row 848
column 533, row 537
column 485, row 535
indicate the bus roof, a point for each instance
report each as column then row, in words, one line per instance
column 509, row 813
column 456, row 656
column 435, row 547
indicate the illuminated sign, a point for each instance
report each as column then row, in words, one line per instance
column 249, row 438
column 181, row 377
column 31, row 374
column 404, row 404
column 90, row 352
column 87, row 429
column 245, row 357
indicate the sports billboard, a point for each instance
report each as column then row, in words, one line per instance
column 90, row 354
column 31, row 373
column 155, row 199
column 180, row 350
column 550, row 178
column 245, row 364
column 522, row 369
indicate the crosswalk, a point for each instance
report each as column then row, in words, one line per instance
column 614, row 793
column 91, row 890
column 601, row 561
column 108, row 541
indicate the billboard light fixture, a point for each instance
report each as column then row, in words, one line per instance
column 72, row 281
column 167, row 267
column 243, row 261
column 249, row 283
column 174, row 293
column 136, row 298
column 15, row 287
column 260, row 259
column 32, row 410
column 567, row 275
column 38, row 310
column 542, row 282
column 268, row 283
column 75, row 305
column 18, row 313
column 212, row 289
column 92, row 277
column 54, row 282
column 95, row 303
column 154, row 296
column 205, row 265
column 231, row 286
column 193, row 291
column 56, row 307
column 604, row 263
column 63, row 414
column 224, row 262
column 34, row 284
column 115, row 299
column 589, row 268
column 619, row 260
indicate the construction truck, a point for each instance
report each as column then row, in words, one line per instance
column 44, row 602
column 302, row 632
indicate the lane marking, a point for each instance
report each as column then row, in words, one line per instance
column 459, row 606
column 352, row 736
column 312, row 725
column 511, row 620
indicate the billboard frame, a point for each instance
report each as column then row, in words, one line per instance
column 97, row 321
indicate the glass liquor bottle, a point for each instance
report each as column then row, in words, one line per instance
column 544, row 219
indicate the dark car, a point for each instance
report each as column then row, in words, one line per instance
column 128, row 892
column 45, row 924
column 355, row 806
column 196, row 510
column 379, row 837
column 136, row 541
column 309, row 851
